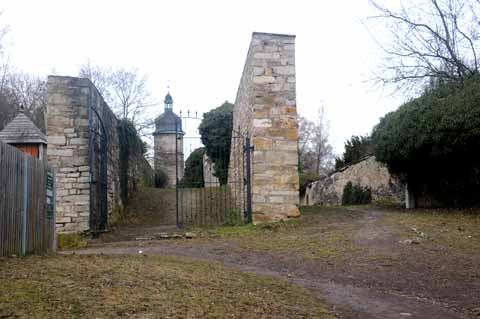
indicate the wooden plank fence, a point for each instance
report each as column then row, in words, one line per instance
column 27, row 208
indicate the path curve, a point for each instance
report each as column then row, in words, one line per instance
column 348, row 300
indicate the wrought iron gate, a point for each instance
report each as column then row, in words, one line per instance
column 98, row 161
column 213, row 185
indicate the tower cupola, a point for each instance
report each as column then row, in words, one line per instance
column 168, row 102
column 168, row 122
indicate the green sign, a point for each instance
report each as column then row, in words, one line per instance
column 50, row 194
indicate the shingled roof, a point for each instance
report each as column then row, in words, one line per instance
column 22, row 130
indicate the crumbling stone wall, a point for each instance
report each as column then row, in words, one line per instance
column 68, row 151
column 366, row 173
column 265, row 110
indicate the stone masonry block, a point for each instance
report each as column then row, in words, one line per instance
column 60, row 152
column 262, row 123
column 284, row 70
column 258, row 71
column 57, row 139
column 77, row 141
column 262, row 143
column 285, row 145
column 62, row 220
column 264, row 79
column 267, row 55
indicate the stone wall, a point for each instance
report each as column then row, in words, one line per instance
column 366, row 173
column 210, row 180
column 265, row 110
column 71, row 102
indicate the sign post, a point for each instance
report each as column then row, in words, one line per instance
column 50, row 203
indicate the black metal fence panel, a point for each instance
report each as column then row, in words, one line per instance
column 213, row 188
column 27, row 204
column 98, row 162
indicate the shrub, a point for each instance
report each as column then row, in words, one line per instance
column 131, row 146
column 356, row 195
column 433, row 143
column 193, row 176
column 356, row 148
column 161, row 178
column 216, row 132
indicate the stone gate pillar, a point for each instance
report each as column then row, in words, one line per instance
column 265, row 110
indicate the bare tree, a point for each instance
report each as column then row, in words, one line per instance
column 320, row 143
column 305, row 131
column 430, row 41
column 4, row 59
column 30, row 93
column 7, row 111
column 27, row 90
column 131, row 95
column 100, row 77
column 125, row 91
column 315, row 151
column 19, row 89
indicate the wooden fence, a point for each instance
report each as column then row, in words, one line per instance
column 27, row 204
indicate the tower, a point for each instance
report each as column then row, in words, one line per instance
column 168, row 142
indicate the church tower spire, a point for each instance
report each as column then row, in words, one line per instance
column 168, row 102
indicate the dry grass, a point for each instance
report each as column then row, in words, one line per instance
column 450, row 230
column 150, row 206
column 321, row 233
column 144, row 287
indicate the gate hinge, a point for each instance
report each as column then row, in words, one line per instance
column 246, row 148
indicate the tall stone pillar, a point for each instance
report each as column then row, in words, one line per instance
column 265, row 110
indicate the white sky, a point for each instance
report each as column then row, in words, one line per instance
column 199, row 47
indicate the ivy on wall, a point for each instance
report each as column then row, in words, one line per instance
column 132, row 149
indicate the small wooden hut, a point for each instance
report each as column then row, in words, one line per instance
column 23, row 134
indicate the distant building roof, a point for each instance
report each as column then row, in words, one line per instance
column 168, row 122
column 22, row 130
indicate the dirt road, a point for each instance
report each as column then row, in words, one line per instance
column 364, row 263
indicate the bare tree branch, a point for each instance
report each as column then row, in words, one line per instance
column 315, row 151
column 429, row 40
column 126, row 91
column 99, row 76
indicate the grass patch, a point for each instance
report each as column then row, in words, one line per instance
column 312, row 236
column 331, row 244
column 149, row 206
column 71, row 241
column 145, row 287
column 329, row 214
column 450, row 229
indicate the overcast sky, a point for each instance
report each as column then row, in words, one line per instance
column 199, row 48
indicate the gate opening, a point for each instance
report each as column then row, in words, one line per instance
column 215, row 188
